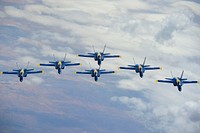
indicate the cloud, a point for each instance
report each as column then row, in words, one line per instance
column 164, row 118
column 36, row 80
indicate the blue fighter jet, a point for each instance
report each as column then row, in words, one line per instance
column 140, row 68
column 177, row 81
column 99, row 56
column 21, row 73
column 95, row 73
column 59, row 65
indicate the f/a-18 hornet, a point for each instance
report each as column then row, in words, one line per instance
column 60, row 64
column 95, row 73
column 98, row 56
column 140, row 68
column 22, row 72
column 177, row 81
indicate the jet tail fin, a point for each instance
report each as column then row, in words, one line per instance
column 144, row 61
column 182, row 74
column 65, row 57
column 104, row 48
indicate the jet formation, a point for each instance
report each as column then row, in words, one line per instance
column 59, row 65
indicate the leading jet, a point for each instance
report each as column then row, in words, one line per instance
column 95, row 73
column 60, row 64
column 21, row 73
column 140, row 68
column 98, row 56
column 177, row 81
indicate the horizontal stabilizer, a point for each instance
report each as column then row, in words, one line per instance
column 67, row 62
column 132, row 65
column 91, row 53
column 128, row 68
column 29, row 69
column 52, row 62
column 169, row 78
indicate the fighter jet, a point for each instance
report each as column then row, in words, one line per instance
column 60, row 64
column 99, row 56
column 140, row 68
column 177, row 81
column 95, row 73
column 21, row 73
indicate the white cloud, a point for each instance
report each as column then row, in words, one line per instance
column 36, row 80
column 164, row 118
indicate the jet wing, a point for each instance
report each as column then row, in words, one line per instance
column 107, row 72
column 189, row 82
column 152, row 68
column 111, row 56
column 34, row 72
column 8, row 72
column 81, row 55
column 128, row 68
column 72, row 64
column 46, row 64
column 164, row 81
column 83, row 72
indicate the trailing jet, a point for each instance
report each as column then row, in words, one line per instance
column 140, row 68
column 177, row 81
column 21, row 73
column 95, row 73
column 59, row 65
column 99, row 56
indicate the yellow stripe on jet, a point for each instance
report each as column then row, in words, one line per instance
column 42, row 71
column 1, row 72
column 38, row 65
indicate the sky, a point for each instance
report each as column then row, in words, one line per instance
column 167, row 32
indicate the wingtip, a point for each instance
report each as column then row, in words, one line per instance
column 115, row 72
column 42, row 71
column 118, row 68
column 76, row 55
column 38, row 65
column 161, row 68
column 74, row 72
column 1, row 72
column 156, row 81
column 120, row 56
column 80, row 64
